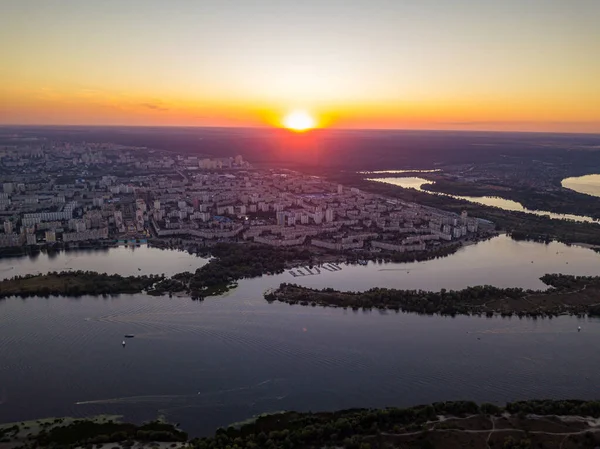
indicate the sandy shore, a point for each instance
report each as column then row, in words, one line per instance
column 585, row 245
column 139, row 445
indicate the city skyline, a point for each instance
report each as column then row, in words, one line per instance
column 514, row 66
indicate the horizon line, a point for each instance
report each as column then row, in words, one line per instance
column 275, row 128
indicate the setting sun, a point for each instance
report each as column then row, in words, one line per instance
column 298, row 121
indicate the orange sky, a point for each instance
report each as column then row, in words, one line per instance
column 513, row 65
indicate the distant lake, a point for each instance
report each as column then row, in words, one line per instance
column 395, row 172
column 589, row 184
column 494, row 201
column 208, row 364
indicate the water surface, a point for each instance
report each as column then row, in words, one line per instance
column 208, row 364
column 588, row 184
column 126, row 261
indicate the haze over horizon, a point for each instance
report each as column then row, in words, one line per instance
column 384, row 64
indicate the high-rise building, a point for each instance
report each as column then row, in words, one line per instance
column 8, row 227
column 340, row 189
column 281, row 218
column 318, row 217
column 329, row 215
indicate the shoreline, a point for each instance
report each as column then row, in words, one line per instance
column 586, row 245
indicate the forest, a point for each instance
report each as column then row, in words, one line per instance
column 233, row 262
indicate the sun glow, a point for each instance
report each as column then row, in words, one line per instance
column 298, row 121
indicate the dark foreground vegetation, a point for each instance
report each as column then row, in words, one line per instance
column 465, row 424
column 445, row 425
column 576, row 295
column 89, row 433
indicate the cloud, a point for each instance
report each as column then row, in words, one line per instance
column 154, row 106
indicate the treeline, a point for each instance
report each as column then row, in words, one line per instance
column 445, row 302
column 82, row 433
column 568, row 282
column 406, row 257
column 552, row 407
column 233, row 262
column 74, row 283
column 485, row 299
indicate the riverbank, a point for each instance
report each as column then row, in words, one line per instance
column 518, row 425
column 575, row 295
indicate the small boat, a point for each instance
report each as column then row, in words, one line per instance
column 123, row 343
column 579, row 329
column 129, row 335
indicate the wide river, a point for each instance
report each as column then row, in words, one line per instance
column 417, row 183
column 208, row 364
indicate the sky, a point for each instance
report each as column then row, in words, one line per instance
column 518, row 65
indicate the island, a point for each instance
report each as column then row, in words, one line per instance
column 74, row 283
column 566, row 424
column 575, row 295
